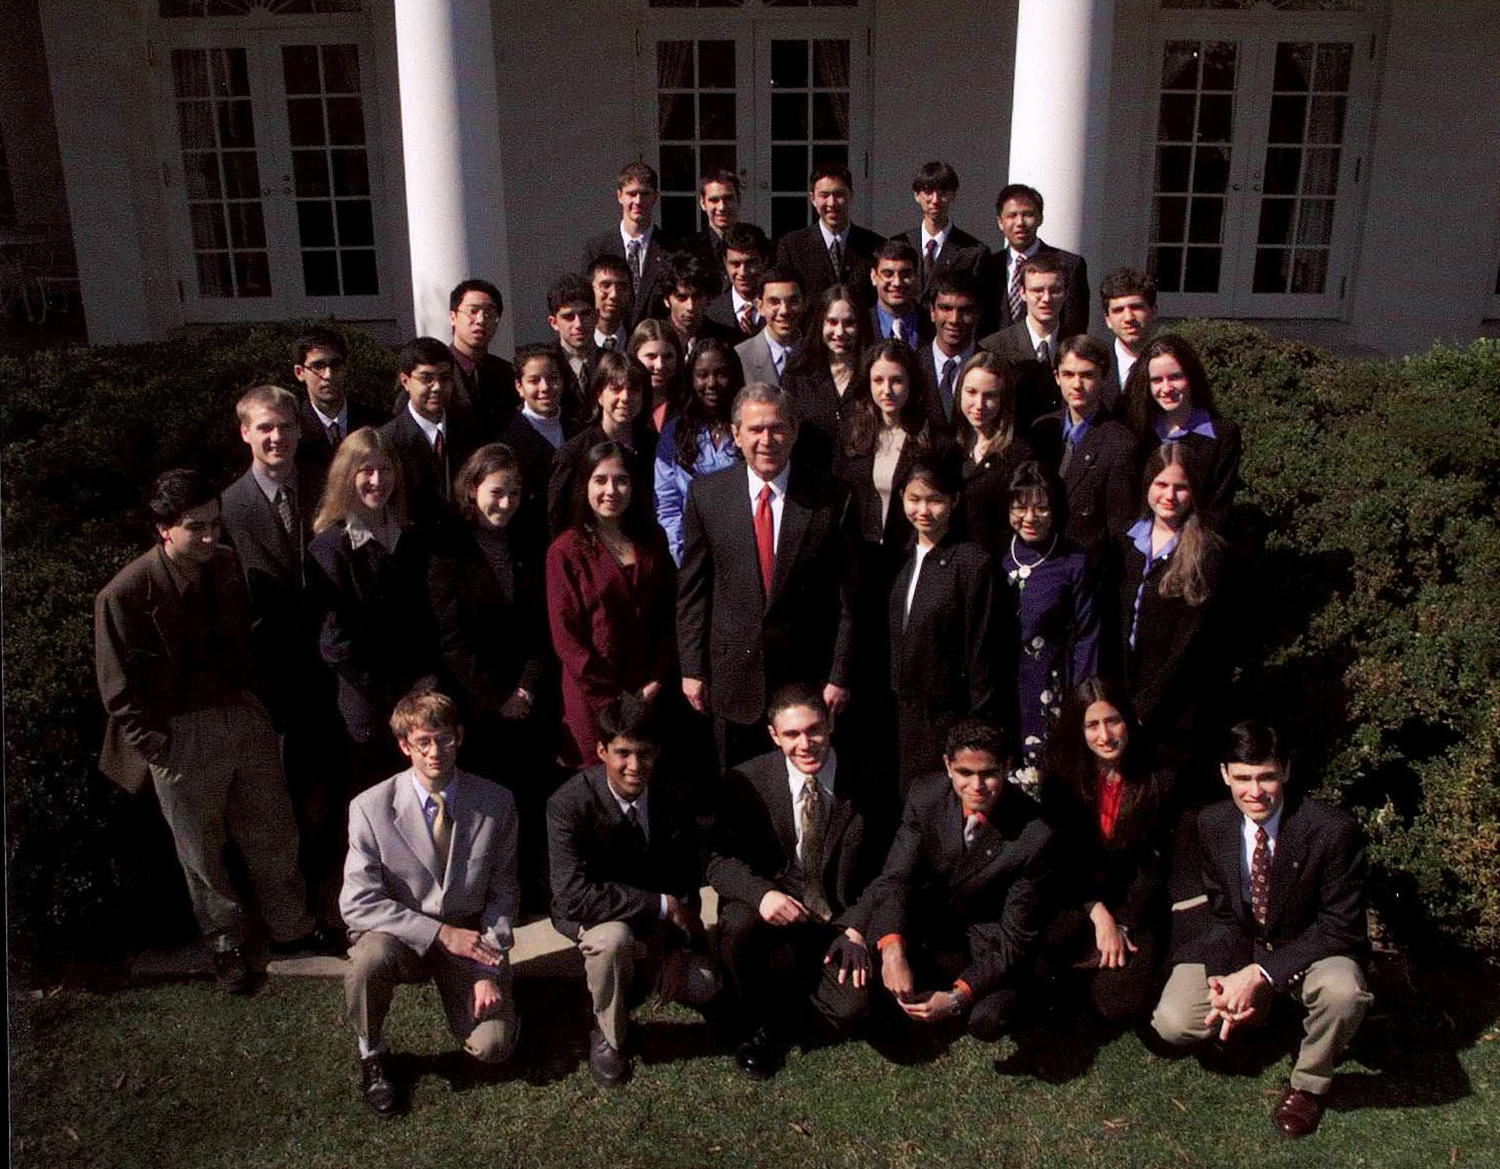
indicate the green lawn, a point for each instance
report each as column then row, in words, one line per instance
column 180, row 1075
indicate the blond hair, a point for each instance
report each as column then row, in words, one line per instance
column 272, row 397
column 338, row 493
column 425, row 708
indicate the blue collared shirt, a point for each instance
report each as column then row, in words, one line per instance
column 888, row 320
column 1198, row 423
column 1073, row 432
column 1140, row 536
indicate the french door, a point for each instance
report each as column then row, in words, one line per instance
column 1257, row 165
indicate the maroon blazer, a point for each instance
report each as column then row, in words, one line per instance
column 611, row 635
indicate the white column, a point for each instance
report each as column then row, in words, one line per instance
column 1060, row 111
column 450, row 131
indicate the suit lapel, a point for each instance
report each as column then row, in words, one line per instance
column 412, row 825
column 795, row 516
column 1286, row 865
column 777, row 794
column 166, row 606
column 1229, row 847
column 465, row 827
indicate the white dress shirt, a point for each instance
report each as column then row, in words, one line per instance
column 797, row 783
column 778, row 499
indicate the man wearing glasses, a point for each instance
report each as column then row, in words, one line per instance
column 320, row 362
column 483, row 383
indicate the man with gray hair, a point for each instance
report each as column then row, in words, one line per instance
column 765, row 592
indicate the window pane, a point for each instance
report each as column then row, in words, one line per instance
column 831, row 64
column 1218, row 64
column 356, row 225
column 304, row 118
column 1293, row 66
column 310, row 174
column 1207, row 223
column 789, row 117
column 360, row 278
column 1215, row 117
column 340, row 69
column 1166, row 268
column 679, row 215
column 1315, row 223
column 674, row 64
column 236, row 128
column 789, row 168
column 716, row 115
column 241, row 175
column 346, row 121
column 788, row 214
column 831, row 116
column 213, row 274
column 1310, row 271
column 208, row 227
column 195, row 124
column 1326, row 121
column 1179, row 65
column 1275, row 221
column 320, row 273
column 299, row 65
column 716, row 65
column 1200, row 271
column 315, row 225
column 1270, row 270
column 678, row 172
column 1283, row 169
column 1321, row 175
column 1169, row 219
column 789, row 64
column 247, row 227
column 252, row 273
column 351, row 172
column 1175, row 123
column 1333, row 67
column 674, row 117
column 1211, row 169
column 1288, row 112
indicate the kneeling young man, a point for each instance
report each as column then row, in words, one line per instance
column 956, row 906
column 1285, row 878
column 625, row 883
column 430, row 893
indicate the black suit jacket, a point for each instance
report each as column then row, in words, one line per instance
column 754, row 846
column 984, row 510
column 721, row 313
column 961, row 252
column 1075, row 314
column 490, row 392
column 601, row 872
column 1036, row 384
column 315, row 452
column 1101, row 477
column 933, row 888
column 535, row 454
column 804, row 252
column 426, row 500
column 652, row 285
column 729, row 633
column 1317, row 891
column 941, row 652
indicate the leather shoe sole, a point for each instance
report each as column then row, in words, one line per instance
column 1298, row 1113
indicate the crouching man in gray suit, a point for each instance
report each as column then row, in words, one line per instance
column 430, row 892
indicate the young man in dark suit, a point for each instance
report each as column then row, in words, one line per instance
column 956, row 911
column 746, row 253
column 635, row 239
column 1285, row 878
column 320, row 362
column 953, row 308
column 572, row 318
column 779, row 302
column 485, row 383
column 625, row 879
column 614, row 302
column 1018, row 212
column 832, row 250
column 941, row 246
column 690, row 287
column 1031, row 344
column 1128, row 298
column 176, row 676
column 789, row 859
column 765, row 591
column 719, row 200
column 432, row 437
column 1095, row 455
column 897, row 312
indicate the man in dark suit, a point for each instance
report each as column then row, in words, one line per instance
column 175, row 671
column 1095, row 455
column 1128, row 298
column 789, row 859
column 958, row 903
column 746, row 253
column 719, row 200
column 953, row 307
column 485, row 384
column 430, row 894
column 1285, row 878
column 432, row 437
column 942, row 248
column 780, row 304
column 636, row 240
column 625, row 878
column 690, row 287
column 572, row 318
column 614, row 302
column 1031, row 344
column 897, row 312
column 765, row 591
column 1018, row 211
column 832, row 250
column 320, row 362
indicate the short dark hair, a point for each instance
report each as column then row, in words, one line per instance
column 1253, row 740
column 456, row 297
column 1033, row 476
column 615, row 265
column 176, row 492
column 537, row 351
column 953, row 283
column 488, row 459
column 1018, row 191
column 747, row 238
column 423, row 351
column 935, row 176
column 1119, row 282
column 897, row 249
column 1043, row 264
column 569, row 289
column 976, row 734
column 637, row 172
column 627, row 717
column 776, row 276
column 727, row 177
column 319, row 337
column 941, row 469
column 791, row 694
column 1086, row 347
column 830, row 170
column 687, row 270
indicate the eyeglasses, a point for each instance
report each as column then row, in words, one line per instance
column 478, row 312
column 430, row 379
column 326, row 365
column 1040, row 510
column 424, row 743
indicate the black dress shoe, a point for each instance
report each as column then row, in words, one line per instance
column 376, row 1085
column 758, row 1057
column 321, row 941
column 610, row 1068
column 1298, row 1113
column 232, row 972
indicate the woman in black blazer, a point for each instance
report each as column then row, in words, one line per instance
column 1167, row 399
column 940, row 615
column 821, row 374
column 1113, row 818
column 1169, row 568
column 985, row 428
column 367, row 574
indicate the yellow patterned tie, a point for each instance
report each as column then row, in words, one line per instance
column 442, row 832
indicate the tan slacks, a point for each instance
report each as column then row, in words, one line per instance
column 620, row 969
column 1333, row 990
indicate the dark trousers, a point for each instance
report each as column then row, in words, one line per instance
column 776, row 972
column 936, row 963
column 1119, row 996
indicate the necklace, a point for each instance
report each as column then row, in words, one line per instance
column 1025, row 570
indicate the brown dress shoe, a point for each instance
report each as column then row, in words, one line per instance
column 1298, row 1113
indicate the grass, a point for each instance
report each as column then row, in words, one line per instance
column 179, row 1075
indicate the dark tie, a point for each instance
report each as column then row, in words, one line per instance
column 335, row 434
column 765, row 538
column 609, row 342
column 1044, row 354
column 811, row 853
column 929, row 258
column 1070, row 443
column 945, row 387
column 633, row 258
column 285, row 512
column 1017, row 301
column 1260, row 878
column 440, row 454
column 836, row 257
column 635, row 828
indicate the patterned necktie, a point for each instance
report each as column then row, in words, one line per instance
column 929, row 258
column 442, row 832
column 810, row 854
column 1260, row 878
column 747, row 319
column 1017, row 301
column 945, row 387
column 440, row 455
column 836, row 257
column 765, row 538
column 284, row 512
column 609, row 342
column 633, row 258
column 1044, row 354
column 335, row 434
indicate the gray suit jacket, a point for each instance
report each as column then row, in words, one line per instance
column 755, row 356
column 391, row 878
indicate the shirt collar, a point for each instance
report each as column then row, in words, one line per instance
column 886, row 317
column 541, row 423
column 619, row 336
column 825, row 777
column 424, row 797
column 1198, row 423
column 361, row 533
column 940, row 359
column 829, row 237
column 644, row 237
column 342, row 418
column 778, row 484
column 269, row 487
column 1016, row 257
column 639, row 803
column 739, row 302
column 1272, row 827
column 777, row 348
column 1074, row 431
column 941, row 237
column 1038, row 338
column 430, row 429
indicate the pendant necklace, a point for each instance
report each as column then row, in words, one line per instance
column 1025, row 570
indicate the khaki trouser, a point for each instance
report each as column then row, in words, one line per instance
column 222, row 781
column 620, row 968
column 1333, row 990
column 379, row 962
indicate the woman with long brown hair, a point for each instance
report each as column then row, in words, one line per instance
column 822, row 374
column 985, row 429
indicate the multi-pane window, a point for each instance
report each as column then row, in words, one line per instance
column 221, row 172
column 810, row 94
column 697, row 123
column 330, row 169
column 181, row 8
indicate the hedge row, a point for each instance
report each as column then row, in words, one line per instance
column 1377, row 637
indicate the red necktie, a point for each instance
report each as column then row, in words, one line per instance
column 765, row 538
column 1260, row 878
column 440, row 453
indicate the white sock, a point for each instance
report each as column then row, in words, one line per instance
column 367, row 1049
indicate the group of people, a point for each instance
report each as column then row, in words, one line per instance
column 852, row 576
